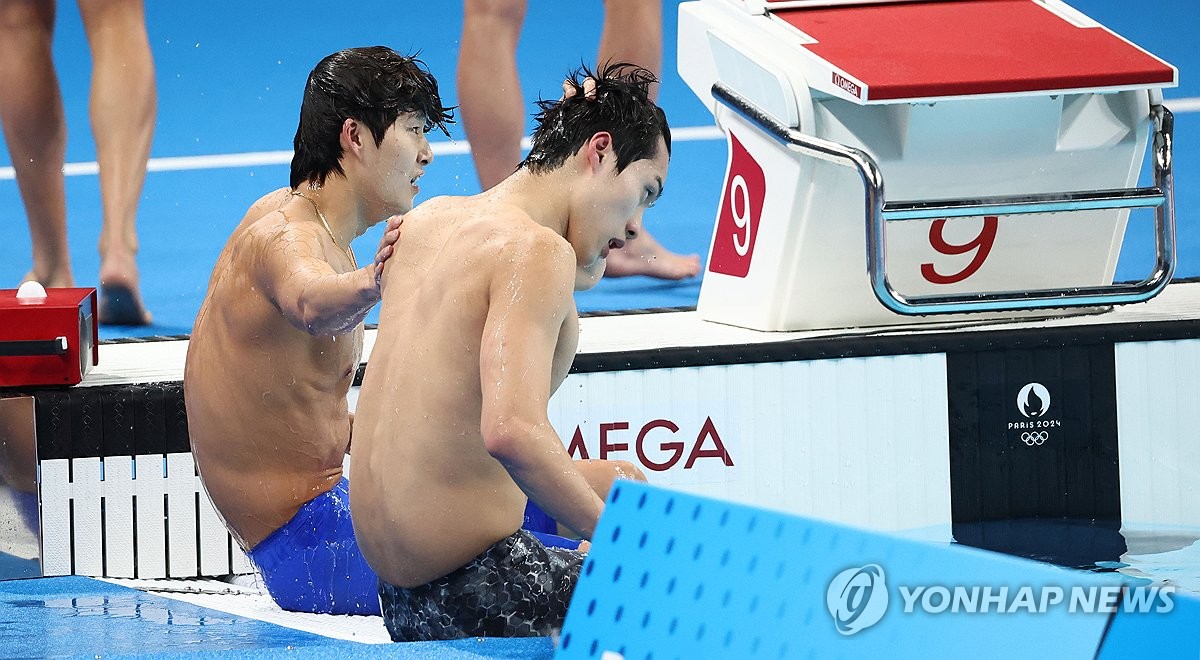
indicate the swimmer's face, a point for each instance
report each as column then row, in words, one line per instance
column 398, row 163
column 612, row 214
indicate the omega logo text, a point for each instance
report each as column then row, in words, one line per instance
column 847, row 84
column 657, row 444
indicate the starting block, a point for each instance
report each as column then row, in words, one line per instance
column 1010, row 133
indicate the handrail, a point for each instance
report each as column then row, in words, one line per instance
column 878, row 213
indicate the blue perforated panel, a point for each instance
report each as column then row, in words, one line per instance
column 1174, row 635
column 672, row 575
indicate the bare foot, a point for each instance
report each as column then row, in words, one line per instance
column 62, row 280
column 646, row 256
column 120, row 297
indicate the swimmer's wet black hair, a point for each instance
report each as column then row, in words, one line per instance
column 622, row 107
column 374, row 85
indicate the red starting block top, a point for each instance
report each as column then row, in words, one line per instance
column 968, row 47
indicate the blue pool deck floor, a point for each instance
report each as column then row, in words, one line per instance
column 66, row 617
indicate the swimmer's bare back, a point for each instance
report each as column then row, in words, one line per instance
column 427, row 495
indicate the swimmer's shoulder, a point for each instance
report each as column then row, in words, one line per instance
column 538, row 262
column 532, row 251
column 433, row 208
column 264, row 213
column 272, row 201
column 499, row 229
column 439, row 202
column 266, row 205
column 268, row 228
column 273, row 232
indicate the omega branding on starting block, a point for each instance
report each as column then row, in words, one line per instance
column 846, row 107
column 847, row 84
column 659, row 444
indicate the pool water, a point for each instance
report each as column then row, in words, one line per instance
column 1146, row 554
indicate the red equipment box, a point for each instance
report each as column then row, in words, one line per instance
column 48, row 341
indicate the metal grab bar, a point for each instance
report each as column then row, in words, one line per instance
column 1042, row 203
column 1161, row 197
column 33, row 347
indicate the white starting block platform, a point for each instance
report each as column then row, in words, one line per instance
column 1010, row 134
column 933, row 427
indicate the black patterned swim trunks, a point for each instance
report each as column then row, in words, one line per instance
column 516, row 588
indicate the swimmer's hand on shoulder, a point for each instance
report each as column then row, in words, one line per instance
column 391, row 234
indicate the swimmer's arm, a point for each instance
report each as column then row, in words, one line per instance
column 530, row 300
column 293, row 273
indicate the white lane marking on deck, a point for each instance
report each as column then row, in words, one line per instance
column 1183, row 105
column 262, row 158
column 442, row 148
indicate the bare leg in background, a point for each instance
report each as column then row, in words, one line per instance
column 633, row 33
column 31, row 112
column 122, row 106
column 493, row 113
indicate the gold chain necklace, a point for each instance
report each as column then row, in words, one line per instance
column 325, row 223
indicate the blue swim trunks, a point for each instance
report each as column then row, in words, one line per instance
column 541, row 525
column 313, row 564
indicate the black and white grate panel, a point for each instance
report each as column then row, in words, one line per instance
column 120, row 495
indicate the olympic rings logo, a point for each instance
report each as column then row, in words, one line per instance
column 1032, row 438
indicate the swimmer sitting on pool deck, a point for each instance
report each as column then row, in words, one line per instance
column 279, row 336
column 478, row 327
